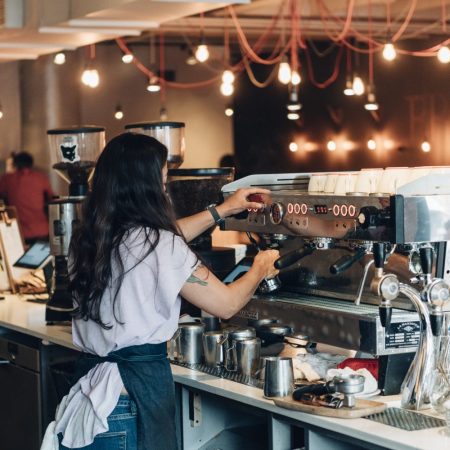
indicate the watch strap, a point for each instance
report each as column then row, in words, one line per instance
column 213, row 211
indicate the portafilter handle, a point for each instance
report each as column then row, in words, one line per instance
column 267, row 285
column 292, row 257
column 346, row 261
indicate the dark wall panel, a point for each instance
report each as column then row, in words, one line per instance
column 414, row 98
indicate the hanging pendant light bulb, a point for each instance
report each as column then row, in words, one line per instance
column 229, row 111
column 226, row 89
column 163, row 114
column 425, row 146
column 389, row 52
column 371, row 144
column 59, row 59
column 1, row 111
column 293, row 103
column 443, row 55
column 291, row 115
column 358, row 85
column 127, row 58
column 202, row 53
column 296, row 79
column 90, row 78
column 153, row 84
column 228, row 77
column 348, row 90
column 293, row 147
column 371, row 104
column 191, row 60
column 118, row 114
column 331, row 146
column 284, row 72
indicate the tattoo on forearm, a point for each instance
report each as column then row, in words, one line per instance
column 194, row 279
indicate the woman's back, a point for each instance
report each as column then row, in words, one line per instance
column 147, row 304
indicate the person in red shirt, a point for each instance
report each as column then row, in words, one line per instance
column 29, row 191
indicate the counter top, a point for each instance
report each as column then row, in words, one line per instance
column 19, row 314
column 16, row 313
column 363, row 429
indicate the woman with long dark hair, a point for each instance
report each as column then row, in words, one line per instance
column 129, row 264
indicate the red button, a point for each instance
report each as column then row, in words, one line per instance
column 257, row 198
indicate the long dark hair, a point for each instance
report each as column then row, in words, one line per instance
column 127, row 194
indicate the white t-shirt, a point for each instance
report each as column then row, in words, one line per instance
column 147, row 307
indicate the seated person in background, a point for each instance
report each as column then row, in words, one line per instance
column 28, row 190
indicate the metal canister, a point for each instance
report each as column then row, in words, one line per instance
column 186, row 345
column 245, row 355
column 231, row 336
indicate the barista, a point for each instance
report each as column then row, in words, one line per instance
column 129, row 264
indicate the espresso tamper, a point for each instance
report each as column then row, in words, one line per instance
column 349, row 386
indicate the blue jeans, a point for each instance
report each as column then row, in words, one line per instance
column 122, row 434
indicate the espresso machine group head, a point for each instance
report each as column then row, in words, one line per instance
column 74, row 151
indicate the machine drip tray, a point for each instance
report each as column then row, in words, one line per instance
column 223, row 373
column 406, row 420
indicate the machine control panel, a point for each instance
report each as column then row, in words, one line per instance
column 302, row 214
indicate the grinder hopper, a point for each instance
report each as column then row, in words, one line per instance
column 74, row 151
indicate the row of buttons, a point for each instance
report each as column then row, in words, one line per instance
column 337, row 210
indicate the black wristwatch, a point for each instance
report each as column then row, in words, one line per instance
column 212, row 209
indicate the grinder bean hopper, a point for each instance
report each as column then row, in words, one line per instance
column 171, row 134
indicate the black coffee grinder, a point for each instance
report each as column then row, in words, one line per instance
column 74, row 151
column 191, row 191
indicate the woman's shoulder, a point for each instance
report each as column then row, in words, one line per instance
column 162, row 238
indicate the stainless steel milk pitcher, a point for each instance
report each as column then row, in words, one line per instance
column 186, row 344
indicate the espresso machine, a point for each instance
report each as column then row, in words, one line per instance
column 357, row 271
column 74, row 151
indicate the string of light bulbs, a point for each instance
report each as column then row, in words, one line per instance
column 285, row 54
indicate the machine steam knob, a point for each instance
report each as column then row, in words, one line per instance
column 369, row 216
column 437, row 294
column 389, row 289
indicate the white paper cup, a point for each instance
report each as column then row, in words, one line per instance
column 368, row 180
column 345, row 183
column 317, row 182
column 330, row 184
column 392, row 179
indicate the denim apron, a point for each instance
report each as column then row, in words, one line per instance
column 146, row 374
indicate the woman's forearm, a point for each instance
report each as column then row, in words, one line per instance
column 194, row 225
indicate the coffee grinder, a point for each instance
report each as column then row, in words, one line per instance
column 171, row 134
column 74, row 151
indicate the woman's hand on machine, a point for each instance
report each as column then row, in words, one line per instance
column 239, row 201
column 265, row 260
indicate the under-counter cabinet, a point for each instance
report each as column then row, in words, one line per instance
column 211, row 422
column 33, row 377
